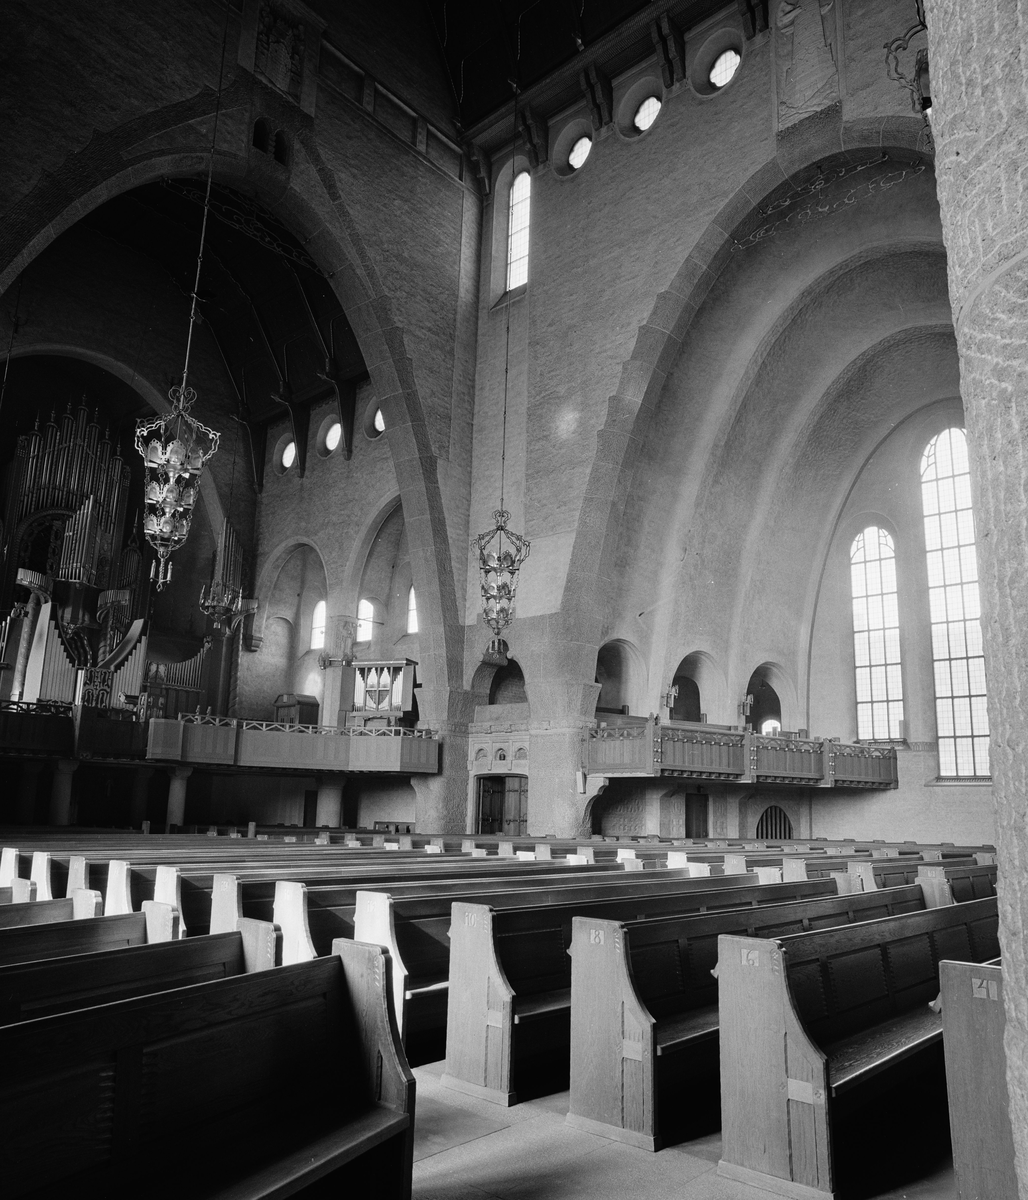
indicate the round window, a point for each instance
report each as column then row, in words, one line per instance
column 725, row 66
column 646, row 113
column 332, row 436
column 379, row 421
column 288, row 455
column 580, row 152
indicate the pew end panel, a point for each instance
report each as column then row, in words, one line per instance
column 226, row 903
column 282, row 1091
column 973, row 1023
column 611, row 1039
column 290, row 915
column 262, row 944
column 479, row 1015
column 774, row 1089
column 374, row 923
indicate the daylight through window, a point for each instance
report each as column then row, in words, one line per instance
column 517, row 231
column 960, row 711
column 876, row 646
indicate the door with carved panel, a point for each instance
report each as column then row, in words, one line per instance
column 491, row 791
column 672, row 816
column 515, row 806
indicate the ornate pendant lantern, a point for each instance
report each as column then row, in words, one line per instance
column 500, row 555
column 175, row 449
column 501, row 552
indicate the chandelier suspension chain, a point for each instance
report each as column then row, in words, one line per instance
column 506, row 354
column 206, row 207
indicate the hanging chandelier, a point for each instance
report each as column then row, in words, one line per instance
column 175, row 446
column 501, row 551
column 175, row 449
column 223, row 603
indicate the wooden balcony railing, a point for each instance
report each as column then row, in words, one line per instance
column 646, row 746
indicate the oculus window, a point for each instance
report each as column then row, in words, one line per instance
column 517, row 231
column 579, row 152
column 724, row 68
column 876, row 645
column 332, row 436
column 960, row 696
column 288, row 455
column 646, row 113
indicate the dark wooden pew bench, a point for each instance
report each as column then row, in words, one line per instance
column 509, row 1006
column 53, row 939
column 417, row 932
column 644, row 1003
column 973, row 1022
column 811, row 1023
column 242, row 1088
column 41, row 988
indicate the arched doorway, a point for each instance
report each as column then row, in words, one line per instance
column 774, row 824
column 502, row 805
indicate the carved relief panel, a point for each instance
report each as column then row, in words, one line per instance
column 807, row 52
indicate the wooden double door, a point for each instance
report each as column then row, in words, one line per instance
column 503, row 804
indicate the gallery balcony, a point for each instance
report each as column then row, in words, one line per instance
column 270, row 745
column 648, row 747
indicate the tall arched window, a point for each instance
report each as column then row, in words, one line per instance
column 517, row 230
column 960, row 713
column 318, row 626
column 365, row 620
column 876, row 648
column 412, row 611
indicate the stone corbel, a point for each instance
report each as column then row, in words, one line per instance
column 599, row 95
column 670, row 46
column 754, row 14
column 535, row 132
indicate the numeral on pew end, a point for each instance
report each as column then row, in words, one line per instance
column 984, row 989
column 596, row 937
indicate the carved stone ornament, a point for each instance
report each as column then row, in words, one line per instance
column 280, row 43
column 806, row 58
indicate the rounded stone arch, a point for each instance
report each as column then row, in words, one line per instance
column 349, row 590
column 268, row 575
column 633, row 406
column 754, row 805
column 773, row 676
column 320, row 220
column 621, row 674
column 703, row 670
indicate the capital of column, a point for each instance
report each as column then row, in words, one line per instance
column 180, row 772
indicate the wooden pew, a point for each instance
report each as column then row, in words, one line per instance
column 419, row 936
column 644, row 1001
column 81, row 905
column 39, row 989
column 810, row 1020
column 246, row 1087
column 53, row 939
column 897, row 873
column 973, row 1022
column 942, row 884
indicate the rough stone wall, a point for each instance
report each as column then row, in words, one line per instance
column 979, row 71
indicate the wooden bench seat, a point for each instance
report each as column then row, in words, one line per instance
column 238, row 1089
column 644, row 996
column 501, row 960
column 418, row 934
column 808, row 1019
column 54, row 939
column 41, row 988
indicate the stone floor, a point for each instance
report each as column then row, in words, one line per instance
column 468, row 1149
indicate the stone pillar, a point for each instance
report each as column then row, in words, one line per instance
column 140, row 786
column 330, row 801
column 979, row 75
column 28, row 786
column 60, row 795
column 177, row 796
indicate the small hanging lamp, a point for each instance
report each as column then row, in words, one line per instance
column 501, row 551
column 175, row 446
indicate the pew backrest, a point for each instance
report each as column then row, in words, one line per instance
column 248, row 1053
column 54, row 939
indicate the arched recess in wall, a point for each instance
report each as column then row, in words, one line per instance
column 700, row 689
column 293, row 583
column 319, row 218
column 619, row 672
column 763, row 694
column 607, row 543
column 508, row 685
